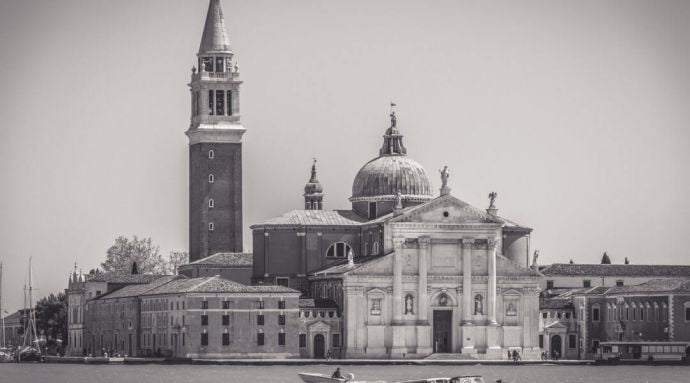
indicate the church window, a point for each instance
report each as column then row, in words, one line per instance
column 586, row 283
column 211, row 226
column 549, row 284
column 211, row 203
column 619, row 283
column 634, row 312
column 220, row 102
column 210, row 102
column 571, row 341
column 366, row 248
column 229, row 102
column 204, row 320
column 665, row 312
column 595, row 313
column 211, row 154
column 338, row 250
column 211, row 178
column 260, row 320
column 372, row 209
column 375, row 248
column 204, row 339
column 687, row 311
column 226, row 339
column 656, row 312
column 302, row 340
column 627, row 313
column 282, row 281
column 641, row 312
column 220, row 61
column 281, row 339
column 336, row 340
column 445, row 214
column 260, row 339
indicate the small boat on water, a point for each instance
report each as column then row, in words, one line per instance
column 350, row 378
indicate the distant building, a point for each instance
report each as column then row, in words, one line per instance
column 14, row 328
column 112, row 320
column 320, row 329
column 558, row 328
column 561, row 277
column 233, row 266
column 657, row 310
column 82, row 288
column 212, row 317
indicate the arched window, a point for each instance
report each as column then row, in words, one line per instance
column 627, row 312
column 375, row 248
column 211, row 203
column 338, row 250
column 642, row 316
column 211, row 154
column 211, row 227
column 664, row 311
column 634, row 311
column 656, row 311
column 211, row 178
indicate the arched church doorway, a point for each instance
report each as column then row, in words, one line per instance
column 556, row 346
column 319, row 346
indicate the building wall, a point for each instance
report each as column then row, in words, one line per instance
column 516, row 247
column 562, row 323
column 175, row 322
column 294, row 252
column 679, row 323
column 111, row 325
column 226, row 191
column 575, row 282
column 326, row 322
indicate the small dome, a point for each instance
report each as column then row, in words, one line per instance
column 313, row 186
column 385, row 176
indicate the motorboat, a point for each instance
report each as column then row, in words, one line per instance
column 29, row 354
column 309, row 377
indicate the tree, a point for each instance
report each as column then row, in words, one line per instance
column 51, row 317
column 177, row 258
column 124, row 252
column 605, row 260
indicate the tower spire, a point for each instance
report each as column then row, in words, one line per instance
column 313, row 191
column 392, row 140
column 215, row 38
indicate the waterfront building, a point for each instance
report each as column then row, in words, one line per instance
column 234, row 266
column 212, row 317
column 81, row 289
column 413, row 273
column 558, row 328
column 561, row 277
column 14, row 328
column 112, row 320
column 320, row 328
column 657, row 310
column 215, row 144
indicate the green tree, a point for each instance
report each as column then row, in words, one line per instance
column 51, row 317
column 605, row 260
column 124, row 252
column 176, row 258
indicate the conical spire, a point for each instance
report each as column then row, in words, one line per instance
column 392, row 140
column 313, row 191
column 214, row 38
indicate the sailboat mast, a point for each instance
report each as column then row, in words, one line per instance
column 31, row 308
column 2, row 316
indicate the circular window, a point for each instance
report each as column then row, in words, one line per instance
column 445, row 214
column 338, row 250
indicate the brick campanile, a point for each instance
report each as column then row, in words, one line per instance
column 215, row 145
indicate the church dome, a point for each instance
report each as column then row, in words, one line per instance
column 387, row 175
column 392, row 172
column 313, row 186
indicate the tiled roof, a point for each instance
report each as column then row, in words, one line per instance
column 599, row 270
column 120, row 277
column 343, row 266
column 215, row 285
column 317, row 217
column 222, row 259
column 317, row 304
column 214, row 37
column 139, row 289
column 653, row 286
column 555, row 303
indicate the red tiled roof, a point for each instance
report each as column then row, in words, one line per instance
column 223, row 259
column 599, row 270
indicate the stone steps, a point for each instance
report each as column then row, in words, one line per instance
column 450, row 356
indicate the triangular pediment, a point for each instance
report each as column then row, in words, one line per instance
column 446, row 210
column 556, row 325
column 319, row 326
column 511, row 292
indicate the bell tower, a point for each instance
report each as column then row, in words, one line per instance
column 215, row 144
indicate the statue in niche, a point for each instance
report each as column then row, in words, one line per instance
column 445, row 174
column 443, row 300
column 511, row 311
column 376, row 307
column 478, row 305
column 409, row 304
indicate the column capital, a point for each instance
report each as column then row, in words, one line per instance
column 398, row 242
column 265, row 234
column 491, row 243
column 467, row 242
column 301, row 233
column 423, row 241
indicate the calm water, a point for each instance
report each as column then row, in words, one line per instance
column 56, row 373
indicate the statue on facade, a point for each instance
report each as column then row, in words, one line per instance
column 398, row 200
column 409, row 304
column 492, row 200
column 445, row 174
column 237, row 67
column 478, row 305
column 510, row 311
column 534, row 259
column 443, row 300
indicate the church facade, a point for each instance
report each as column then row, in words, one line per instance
column 412, row 273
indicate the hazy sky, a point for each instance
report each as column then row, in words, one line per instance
column 575, row 112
